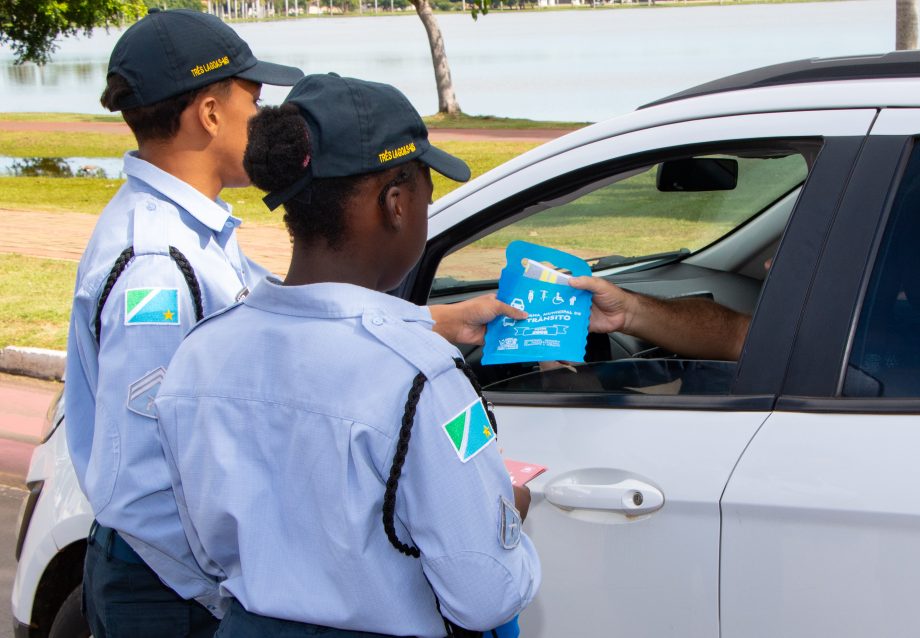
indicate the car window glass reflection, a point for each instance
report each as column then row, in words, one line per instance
column 885, row 358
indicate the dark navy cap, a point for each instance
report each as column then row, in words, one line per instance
column 168, row 53
column 358, row 127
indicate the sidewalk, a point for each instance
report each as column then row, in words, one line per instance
column 435, row 134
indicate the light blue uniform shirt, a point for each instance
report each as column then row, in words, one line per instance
column 116, row 451
column 280, row 418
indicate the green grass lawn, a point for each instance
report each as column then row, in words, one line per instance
column 35, row 297
column 90, row 195
column 64, row 144
column 59, row 117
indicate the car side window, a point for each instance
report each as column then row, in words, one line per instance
column 885, row 355
column 685, row 203
column 642, row 226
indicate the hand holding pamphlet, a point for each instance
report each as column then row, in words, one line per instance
column 556, row 328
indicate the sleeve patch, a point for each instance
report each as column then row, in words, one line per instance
column 142, row 392
column 152, row 306
column 509, row 533
column 470, row 431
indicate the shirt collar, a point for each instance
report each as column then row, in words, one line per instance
column 331, row 301
column 213, row 214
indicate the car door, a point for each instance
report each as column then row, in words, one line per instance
column 626, row 518
column 821, row 519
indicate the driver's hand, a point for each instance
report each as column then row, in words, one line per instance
column 465, row 321
column 610, row 306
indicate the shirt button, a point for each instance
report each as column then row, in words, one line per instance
column 378, row 320
column 151, row 205
column 228, row 225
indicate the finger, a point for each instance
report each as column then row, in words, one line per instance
column 501, row 308
column 594, row 284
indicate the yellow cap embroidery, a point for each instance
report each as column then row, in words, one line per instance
column 389, row 155
column 201, row 69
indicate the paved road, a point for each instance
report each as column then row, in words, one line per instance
column 10, row 499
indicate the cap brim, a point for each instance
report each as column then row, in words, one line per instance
column 271, row 73
column 446, row 164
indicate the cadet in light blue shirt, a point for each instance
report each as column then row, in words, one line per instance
column 163, row 254
column 334, row 467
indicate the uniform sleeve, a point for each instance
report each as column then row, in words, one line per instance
column 148, row 312
column 455, row 498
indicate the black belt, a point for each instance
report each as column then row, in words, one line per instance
column 113, row 544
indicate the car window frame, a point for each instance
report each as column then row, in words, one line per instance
column 818, row 365
column 478, row 224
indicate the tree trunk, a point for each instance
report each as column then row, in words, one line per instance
column 906, row 25
column 447, row 101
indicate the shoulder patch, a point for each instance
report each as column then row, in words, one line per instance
column 152, row 306
column 142, row 392
column 470, row 431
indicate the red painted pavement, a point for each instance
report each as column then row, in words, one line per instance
column 23, row 403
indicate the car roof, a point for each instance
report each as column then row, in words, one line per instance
column 897, row 64
column 878, row 81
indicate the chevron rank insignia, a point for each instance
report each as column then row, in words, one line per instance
column 152, row 306
column 142, row 393
column 470, row 431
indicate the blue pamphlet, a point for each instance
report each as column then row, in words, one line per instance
column 556, row 328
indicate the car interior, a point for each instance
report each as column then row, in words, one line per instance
column 696, row 223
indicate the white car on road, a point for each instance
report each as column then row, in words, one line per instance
column 774, row 496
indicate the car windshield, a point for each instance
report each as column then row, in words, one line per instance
column 652, row 215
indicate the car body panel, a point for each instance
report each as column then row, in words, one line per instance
column 605, row 573
column 61, row 517
column 821, row 529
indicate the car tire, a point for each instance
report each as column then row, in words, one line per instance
column 69, row 621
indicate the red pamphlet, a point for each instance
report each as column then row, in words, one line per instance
column 521, row 472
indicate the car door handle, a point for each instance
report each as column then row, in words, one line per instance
column 627, row 496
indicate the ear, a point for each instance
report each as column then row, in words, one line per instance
column 207, row 111
column 394, row 208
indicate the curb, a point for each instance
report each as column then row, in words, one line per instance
column 33, row 362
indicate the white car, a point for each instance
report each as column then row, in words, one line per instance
column 774, row 496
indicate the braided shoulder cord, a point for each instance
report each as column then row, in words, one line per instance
column 468, row 371
column 124, row 259
column 120, row 264
column 190, row 280
column 389, row 498
column 402, row 448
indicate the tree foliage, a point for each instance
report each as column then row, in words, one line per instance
column 30, row 27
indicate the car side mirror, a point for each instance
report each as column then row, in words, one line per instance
column 698, row 174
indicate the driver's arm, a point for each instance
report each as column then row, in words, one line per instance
column 690, row 327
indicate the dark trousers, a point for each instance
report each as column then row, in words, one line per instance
column 239, row 623
column 123, row 598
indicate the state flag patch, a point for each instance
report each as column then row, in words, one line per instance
column 470, row 431
column 152, row 306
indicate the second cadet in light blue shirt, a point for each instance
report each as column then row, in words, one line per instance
column 334, row 467
column 116, row 357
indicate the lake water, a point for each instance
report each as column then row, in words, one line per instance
column 581, row 65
